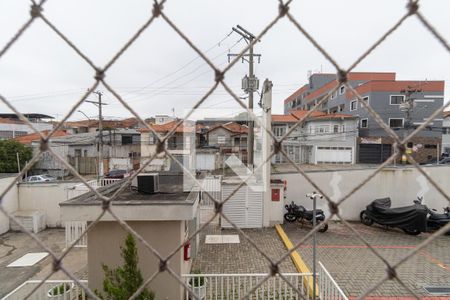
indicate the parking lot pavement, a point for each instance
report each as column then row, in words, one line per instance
column 356, row 268
column 242, row 257
column 13, row 245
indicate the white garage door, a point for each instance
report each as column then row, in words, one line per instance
column 244, row 208
column 205, row 161
column 334, row 155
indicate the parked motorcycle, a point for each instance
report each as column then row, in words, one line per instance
column 302, row 215
column 411, row 219
column 435, row 220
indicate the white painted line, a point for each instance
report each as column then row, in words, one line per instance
column 28, row 259
column 230, row 239
column 222, row 239
column 213, row 239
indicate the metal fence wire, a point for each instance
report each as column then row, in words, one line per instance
column 37, row 12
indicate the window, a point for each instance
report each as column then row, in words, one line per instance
column 221, row 139
column 430, row 146
column 353, row 105
column 336, row 128
column 364, row 123
column 341, row 90
column 127, row 139
column 279, row 131
column 397, row 99
column 396, row 123
column 322, row 129
column 365, row 99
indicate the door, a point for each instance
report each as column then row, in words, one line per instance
column 244, row 208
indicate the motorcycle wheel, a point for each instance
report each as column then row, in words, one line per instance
column 290, row 217
column 365, row 218
column 412, row 231
column 323, row 227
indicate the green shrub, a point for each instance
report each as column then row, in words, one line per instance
column 121, row 283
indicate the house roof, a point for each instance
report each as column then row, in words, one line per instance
column 125, row 123
column 232, row 127
column 296, row 115
column 10, row 121
column 164, row 128
column 29, row 138
column 446, row 114
column 26, row 115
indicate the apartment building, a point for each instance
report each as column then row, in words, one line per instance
column 446, row 133
column 386, row 96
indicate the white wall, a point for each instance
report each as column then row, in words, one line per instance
column 10, row 202
column 44, row 197
column 402, row 185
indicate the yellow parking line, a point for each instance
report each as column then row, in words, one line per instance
column 298, row 261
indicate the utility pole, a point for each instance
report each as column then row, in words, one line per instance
column 407, row 106
column 250, row 84
column 99, row 104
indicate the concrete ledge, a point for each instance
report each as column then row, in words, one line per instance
column 297, row 260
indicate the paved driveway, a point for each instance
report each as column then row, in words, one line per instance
column 356, row 268
column 15, row 244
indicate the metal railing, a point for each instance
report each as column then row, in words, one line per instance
column 37, row 12
column 235, row 286
column 328, row 288
column 74, row 232
column 73, row 290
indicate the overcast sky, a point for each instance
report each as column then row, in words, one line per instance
column 160, row 72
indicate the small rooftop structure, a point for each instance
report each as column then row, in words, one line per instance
column 170, row 203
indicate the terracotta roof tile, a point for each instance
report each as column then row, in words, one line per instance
column 29, row 138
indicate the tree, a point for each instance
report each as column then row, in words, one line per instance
column 8, row 156
column 121, row 283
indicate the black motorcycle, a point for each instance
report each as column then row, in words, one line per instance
column 435, row 220
column 411, row 219
column 302, row 215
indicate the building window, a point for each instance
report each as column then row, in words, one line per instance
column 365, row 99
column 322, row 129
column 353, row 105
column 341, row 90
column 430, row 146
column 336, row 128
column 127, row 139
column 396, row 123
column 221, row 139
column 279, row 131
column 364, row 123
column 397, row 99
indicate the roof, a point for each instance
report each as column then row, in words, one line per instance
column 26, row 115
column 389, row 86
column 296, row 115
column 164, row 128
column 125, row 123
column 27, row 139
column 376, row 81
column 170, row 204
column 446, row 114
column 232, row 127
column 170, row 190
column 10, row 121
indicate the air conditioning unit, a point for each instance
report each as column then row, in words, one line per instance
column 148, row 183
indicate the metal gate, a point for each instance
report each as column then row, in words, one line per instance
column 374, row 153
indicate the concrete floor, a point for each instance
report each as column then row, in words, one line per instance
column 13, row 245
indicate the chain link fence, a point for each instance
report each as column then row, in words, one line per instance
column 412, row 10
